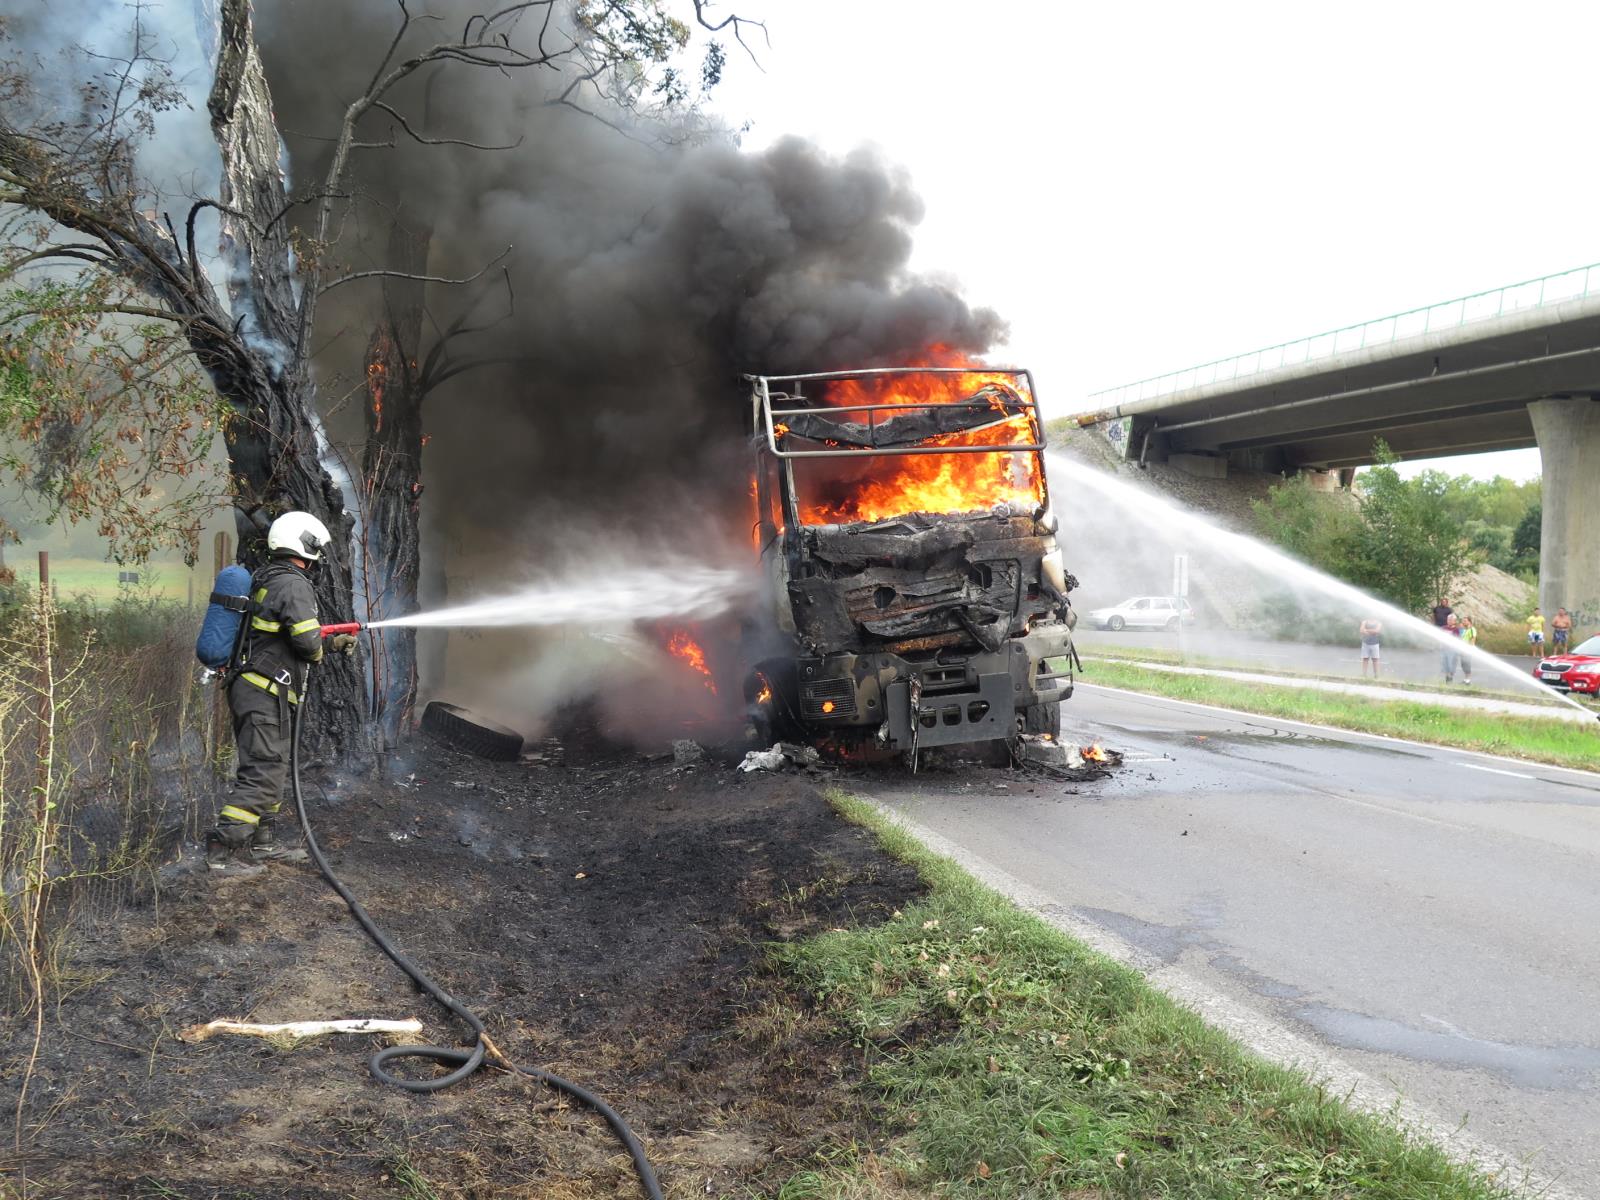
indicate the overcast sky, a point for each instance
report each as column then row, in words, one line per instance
column 1140, row 188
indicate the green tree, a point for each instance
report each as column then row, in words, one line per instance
column 105, row 421
column 1323, row 528
column 1411, row 547
column 1527, row 539
column 1406, row 540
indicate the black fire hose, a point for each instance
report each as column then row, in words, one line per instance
column 484, row 1050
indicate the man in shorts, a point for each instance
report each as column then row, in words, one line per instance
column 1536, row 634
column 1371, row 633
column 1560, row 631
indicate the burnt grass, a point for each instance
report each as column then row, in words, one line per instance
column 608, row 919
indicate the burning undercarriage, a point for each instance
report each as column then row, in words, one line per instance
column 910, row 559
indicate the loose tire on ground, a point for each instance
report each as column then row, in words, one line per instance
column 462, row 729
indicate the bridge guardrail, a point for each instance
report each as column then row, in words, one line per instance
column 1448, row 314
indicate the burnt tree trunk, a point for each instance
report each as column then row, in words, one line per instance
column 275, row 443
column 391, row 466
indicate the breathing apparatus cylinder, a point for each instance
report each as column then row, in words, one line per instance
column 219, row 630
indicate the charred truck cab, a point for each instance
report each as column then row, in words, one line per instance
column 909, row 557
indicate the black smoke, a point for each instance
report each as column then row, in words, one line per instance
column 653, row 262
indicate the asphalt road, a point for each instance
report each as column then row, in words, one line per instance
column 1427, row 917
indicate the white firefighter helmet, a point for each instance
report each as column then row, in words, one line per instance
column 298, row 534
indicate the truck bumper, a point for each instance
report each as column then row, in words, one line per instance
column 974, row 696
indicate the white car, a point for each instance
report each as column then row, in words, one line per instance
column 1144, row 612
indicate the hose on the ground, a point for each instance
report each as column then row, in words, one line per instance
column 483, row 1050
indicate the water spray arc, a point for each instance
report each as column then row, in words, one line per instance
column 620, row 595
column 1246, row 551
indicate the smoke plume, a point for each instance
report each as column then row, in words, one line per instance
column 652, row 261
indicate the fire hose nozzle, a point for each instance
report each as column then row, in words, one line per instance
column 347, row 627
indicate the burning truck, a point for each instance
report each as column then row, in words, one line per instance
column 909, row 557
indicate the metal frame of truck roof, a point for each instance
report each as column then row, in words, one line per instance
column 762, row 412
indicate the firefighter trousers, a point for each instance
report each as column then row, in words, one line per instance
column 261, row 732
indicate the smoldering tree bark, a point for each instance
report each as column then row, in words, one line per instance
column 276, row 447
column 249, row 348
column 391, row 467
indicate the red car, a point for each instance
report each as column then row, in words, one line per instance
column 1578, row 670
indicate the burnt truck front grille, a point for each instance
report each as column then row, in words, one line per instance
column 943, row 679
column 827, row 699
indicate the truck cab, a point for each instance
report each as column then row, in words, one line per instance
column 912, row 578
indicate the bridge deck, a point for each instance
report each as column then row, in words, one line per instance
column 1426, row 384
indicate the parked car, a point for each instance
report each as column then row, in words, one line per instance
column 1144, row 612
column 1578, row 670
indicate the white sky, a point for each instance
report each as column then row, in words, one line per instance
column 1140, row 188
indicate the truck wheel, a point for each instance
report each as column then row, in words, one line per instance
column 461, row 729
column 1042, row 718
column 1115, row 624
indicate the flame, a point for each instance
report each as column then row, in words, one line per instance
column 681, row 645
column 873, row 487
column 827, row 706
column 1096, row 753
column 764, row 696
column 376, row 374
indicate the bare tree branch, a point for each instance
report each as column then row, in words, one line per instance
column 476, row 275
column 432, row 141
column 194, row 211
column 84, row 251
column 738, row 23
column 438, row 357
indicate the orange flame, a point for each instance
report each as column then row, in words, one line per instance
column 376, row 374
column 872, row 487
column 1096, row 753
column 681, row 645
column 764, row 696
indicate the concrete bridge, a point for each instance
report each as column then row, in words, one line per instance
column 1514, row 367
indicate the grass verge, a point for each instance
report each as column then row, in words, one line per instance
column 1564, row 743
column 1015, row 1062
column 1096, row 650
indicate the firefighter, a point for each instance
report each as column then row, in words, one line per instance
column 282, row 637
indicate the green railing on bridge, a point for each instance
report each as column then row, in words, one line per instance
column 1449, row 314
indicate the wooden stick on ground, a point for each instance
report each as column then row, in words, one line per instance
column 295, row 1031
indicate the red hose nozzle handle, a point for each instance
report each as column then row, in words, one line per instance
column 347, row 627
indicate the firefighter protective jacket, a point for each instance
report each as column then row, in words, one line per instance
column 284, row 633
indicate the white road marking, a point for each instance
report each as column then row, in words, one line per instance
column 1496, row 771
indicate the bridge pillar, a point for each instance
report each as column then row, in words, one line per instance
column 1568, row 430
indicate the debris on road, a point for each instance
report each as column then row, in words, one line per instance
column 551, row 753
column 687, row 753
column 781, row 757
column 1099, row 754
column 1046, row 751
